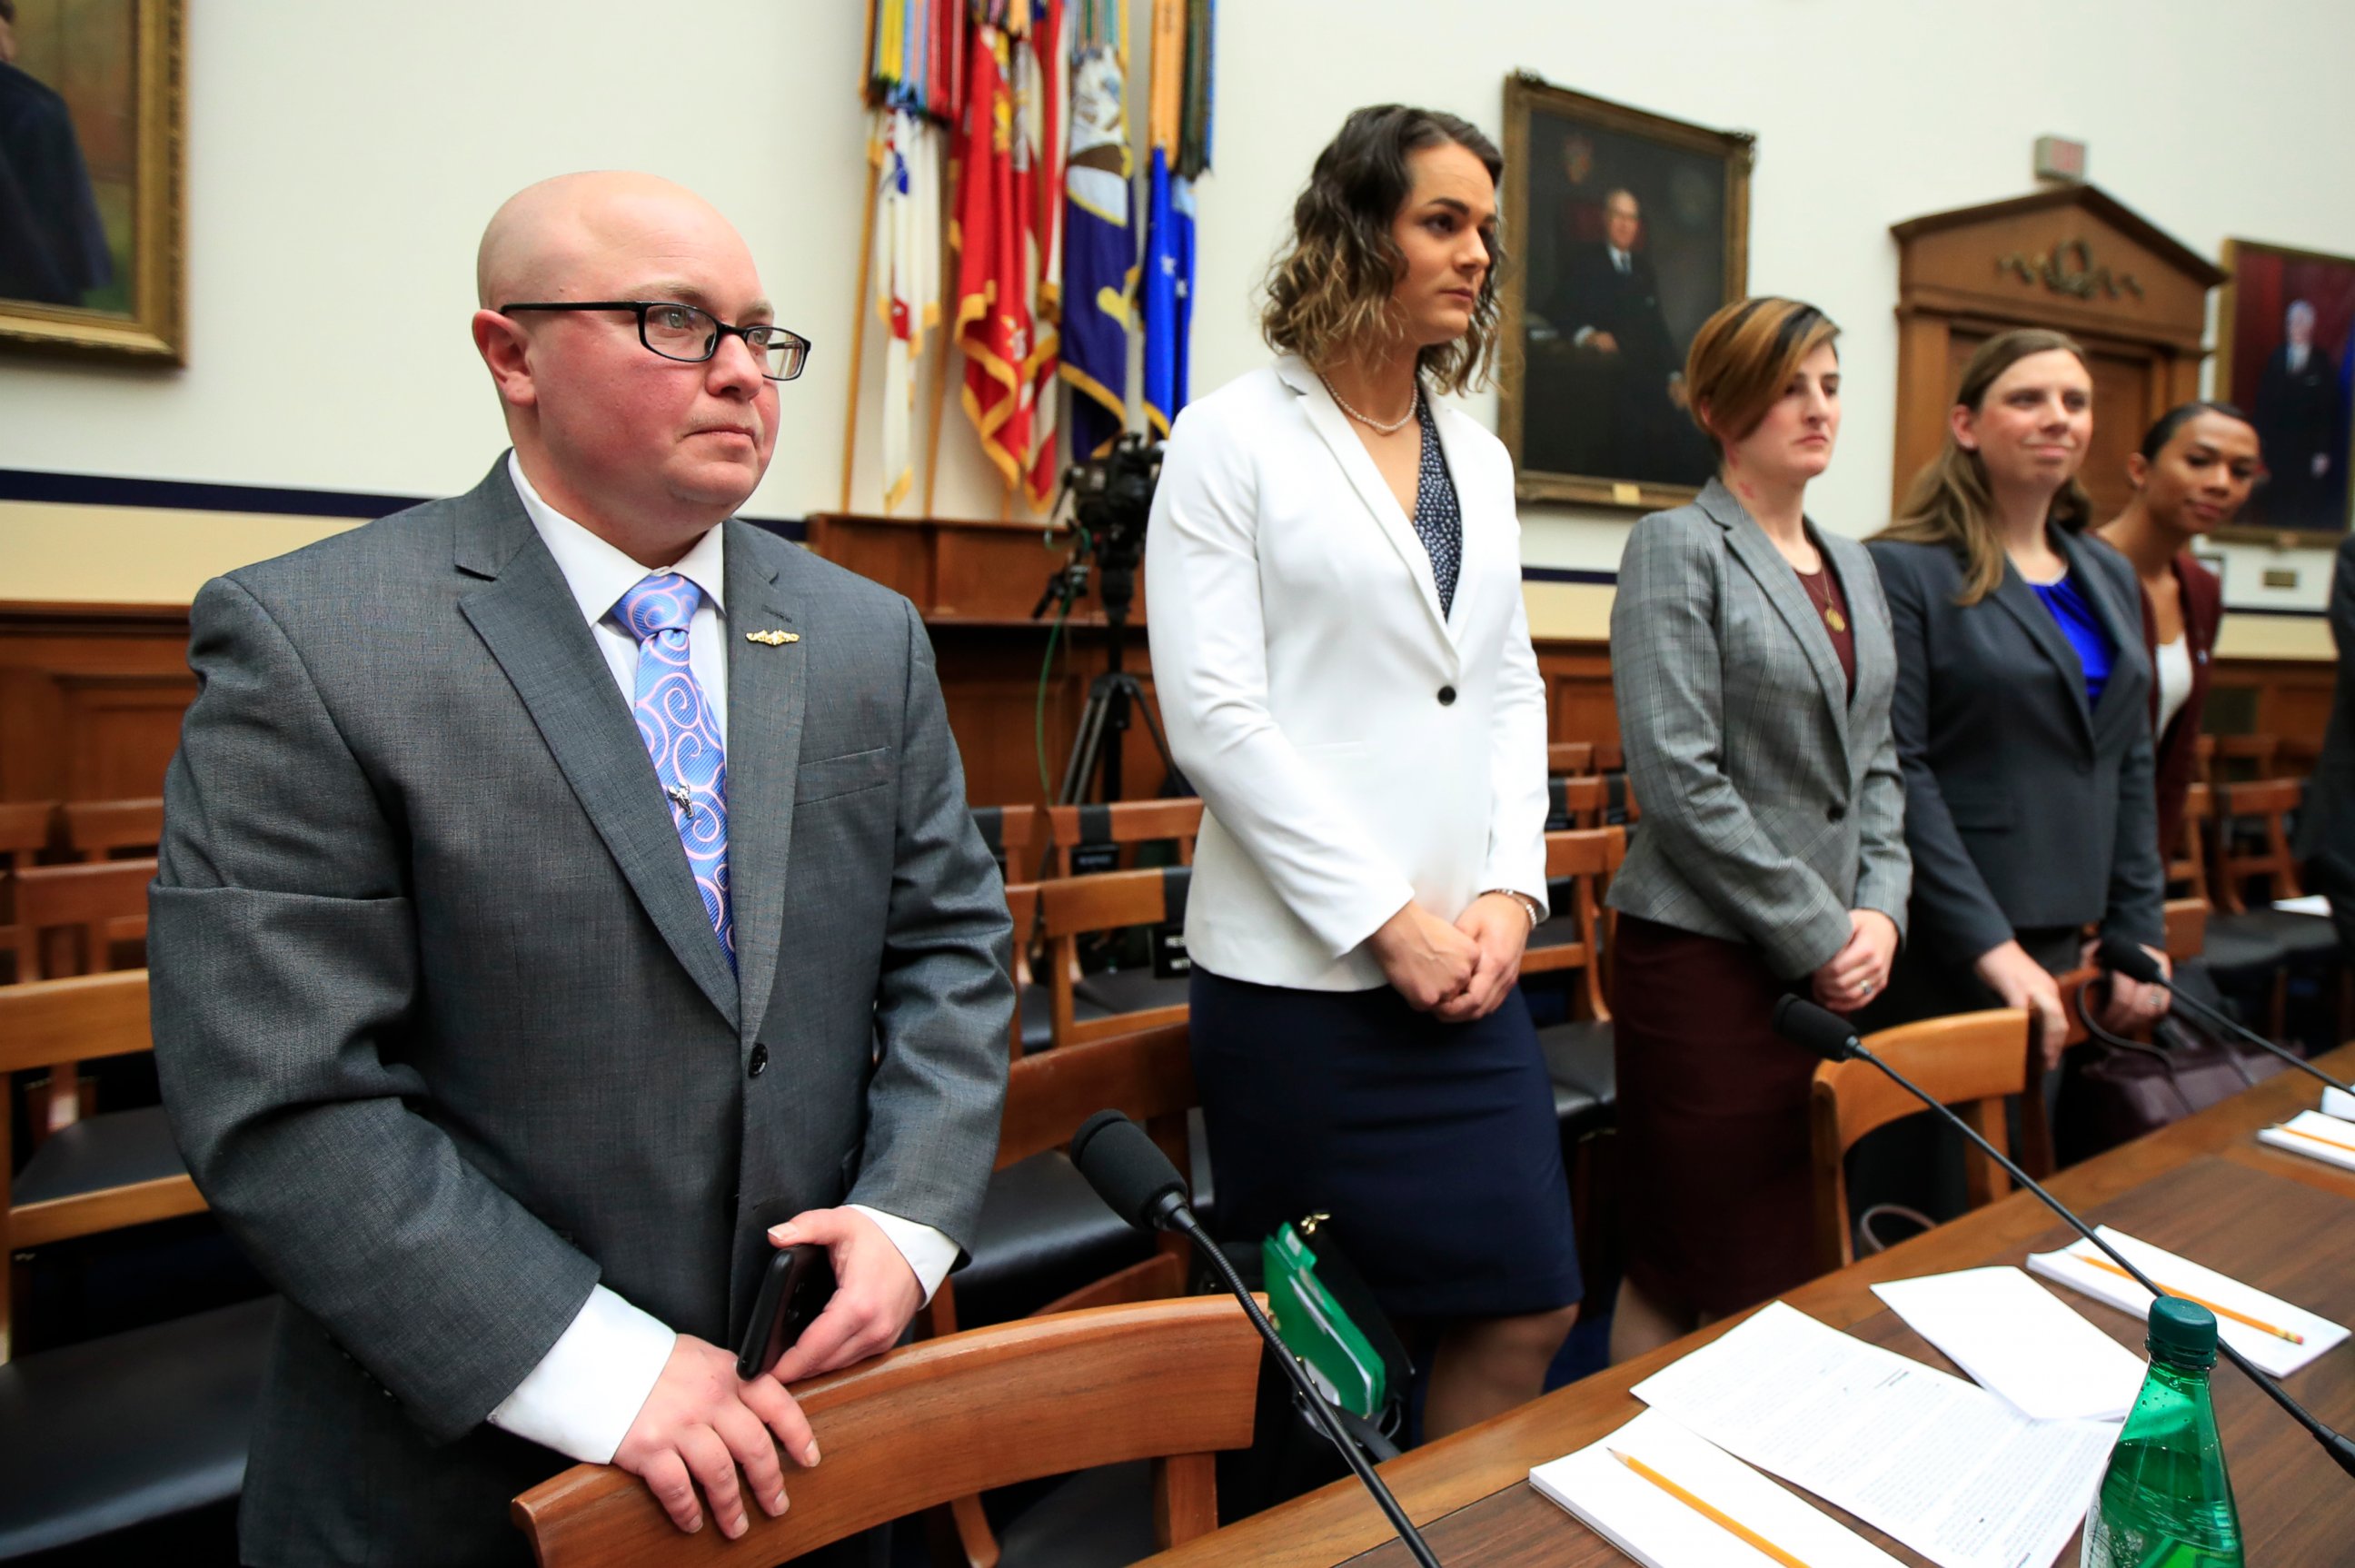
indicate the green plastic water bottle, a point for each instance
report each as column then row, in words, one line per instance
column 2165, row 1500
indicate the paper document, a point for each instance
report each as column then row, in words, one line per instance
column 2251, row 1333
column 2314, row 1136
column 1949, row 1469
column 1651, row 1525
column 2021, row 1341
column 2335, row 1103
column 2312, row 904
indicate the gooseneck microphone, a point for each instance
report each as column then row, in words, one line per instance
column 1135, row 1180
column 2125, row 957
column 1831, row 1037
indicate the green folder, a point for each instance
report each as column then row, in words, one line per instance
column 1327, row 1320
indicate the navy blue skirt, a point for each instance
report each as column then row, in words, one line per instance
column 1432, row 1146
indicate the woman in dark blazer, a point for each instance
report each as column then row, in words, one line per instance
column 1752, row 664
column 2191, row 476
column 2022, row 711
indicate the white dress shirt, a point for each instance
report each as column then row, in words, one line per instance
column 584, row 1393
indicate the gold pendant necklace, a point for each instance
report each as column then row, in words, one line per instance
column 1832, row 617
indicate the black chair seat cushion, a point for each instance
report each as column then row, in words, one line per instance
column 1038, row 1004
column 1118, row 991
column 2307, row 938
column 112, row 1433
column 1042, row 1233
column 1096, row 1519
column 1554, row 931
column 1585, row 1079
column 114, row 1148
column 2241, row 945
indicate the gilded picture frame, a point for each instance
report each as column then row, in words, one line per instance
column 1624, row 229
column 93, row 217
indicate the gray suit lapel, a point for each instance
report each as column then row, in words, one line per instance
column 2015, row 595
column 1330, row 423
column 1780, row 581
column 767, row 692
column 527, row 617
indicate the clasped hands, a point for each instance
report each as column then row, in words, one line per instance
column 2020, row 981
column 1455, row 973
column 701, row 1423
column 1860, row 970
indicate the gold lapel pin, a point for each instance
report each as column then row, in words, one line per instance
column 772, row 639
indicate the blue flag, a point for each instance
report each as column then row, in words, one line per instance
column 1099, row 253
column 1168, row 290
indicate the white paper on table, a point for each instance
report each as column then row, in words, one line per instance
column 2335, row 1103
column 1947, row 1467
column 2312, row 904
column 2325, row 1138
column 1659, row 1532
column 2019, row 1340
column 2274, row 1354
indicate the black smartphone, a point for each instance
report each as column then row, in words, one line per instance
column 794, row 1290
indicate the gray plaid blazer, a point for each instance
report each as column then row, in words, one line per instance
column 1772, row 801
column 446, row 1033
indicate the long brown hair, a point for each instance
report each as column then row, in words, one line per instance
column 1950, row 501
column 1331, row 284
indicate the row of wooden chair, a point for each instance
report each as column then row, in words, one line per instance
column 68, row 895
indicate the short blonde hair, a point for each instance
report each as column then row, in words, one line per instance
column 1743, row 356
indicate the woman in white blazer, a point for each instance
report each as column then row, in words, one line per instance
column 1344, row 667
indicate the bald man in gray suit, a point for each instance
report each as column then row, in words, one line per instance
column 568, row 895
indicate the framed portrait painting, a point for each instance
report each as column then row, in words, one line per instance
column 2286, row 348
column 1625, row 230
column 90, row 161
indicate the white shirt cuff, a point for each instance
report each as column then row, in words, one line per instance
column 588, row 1389
column 929, row 1254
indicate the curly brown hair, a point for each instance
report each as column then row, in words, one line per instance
column 1330, row 287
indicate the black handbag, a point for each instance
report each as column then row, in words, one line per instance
column 2114, row 1091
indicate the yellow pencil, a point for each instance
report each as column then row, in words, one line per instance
column 1715, row 1516
column 2318, row 1138
column 2219, row 1308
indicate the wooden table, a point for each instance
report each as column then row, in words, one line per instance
column 2205, row 1188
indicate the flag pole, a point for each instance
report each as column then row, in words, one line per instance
column 948, row 333
column 858, row 325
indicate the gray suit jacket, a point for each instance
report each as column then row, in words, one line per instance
column 1771, row 796
column 2326, row 827
column 443, row 1029
column 2026, row 810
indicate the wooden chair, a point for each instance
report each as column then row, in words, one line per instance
column 101, row 829
column 118, row 1169
column 2285, row 939
column 1576, row 801
column 1073, row 907
column 1017, row 839
column 2266, row 804
column 1579, row 862
column 1580, row 1063
column 1030, row 998
column 2246, row 757
column 25, row 830
column 2187, row 928
column 2188, row 868
column 1173, row 1381
column 105, row 902
column 1570, row 759
column 1972, row 1061
column 1121, row 824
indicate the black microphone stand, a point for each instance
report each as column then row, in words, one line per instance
column 2338, row 1447
column 2227, row 1021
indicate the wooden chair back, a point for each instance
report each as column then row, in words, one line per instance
column 54, row 1025
column 2267, row 803
column 2246, row 757
column 1173, row 1381
column 100, row 829
column 1123, row 824
column 1073, row 907
column 2187, row 928
column 1570, row 759
column 105, row 902
column 2189, row 868
column 1580, row 865
column 1575, row 802
column 1016, row 837
column 1971, row 1061
column 1022, row 906
column 26, row 827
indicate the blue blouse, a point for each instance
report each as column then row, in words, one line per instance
column 2083, row 629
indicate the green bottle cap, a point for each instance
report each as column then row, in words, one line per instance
column 2182, row 1332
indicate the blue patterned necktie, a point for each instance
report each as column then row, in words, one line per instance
column 682, row 737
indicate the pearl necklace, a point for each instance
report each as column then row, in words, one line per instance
column 1377, row 426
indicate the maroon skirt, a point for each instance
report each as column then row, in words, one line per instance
column 1715, row 1168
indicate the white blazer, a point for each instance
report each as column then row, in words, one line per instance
column 1354, row 748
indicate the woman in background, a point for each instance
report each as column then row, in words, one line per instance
column 1753, row 666
column 2023, row 706
column 2192, row 475
column 1345, row 668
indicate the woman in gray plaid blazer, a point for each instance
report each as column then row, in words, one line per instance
column 1752, row 664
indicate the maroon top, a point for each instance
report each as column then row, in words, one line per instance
column 1823, row 589
column 2201, row 596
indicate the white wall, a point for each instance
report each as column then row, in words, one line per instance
column 342, row 160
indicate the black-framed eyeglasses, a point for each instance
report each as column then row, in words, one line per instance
column 692, row 335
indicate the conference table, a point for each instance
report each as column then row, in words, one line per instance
column 2205, row 1188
